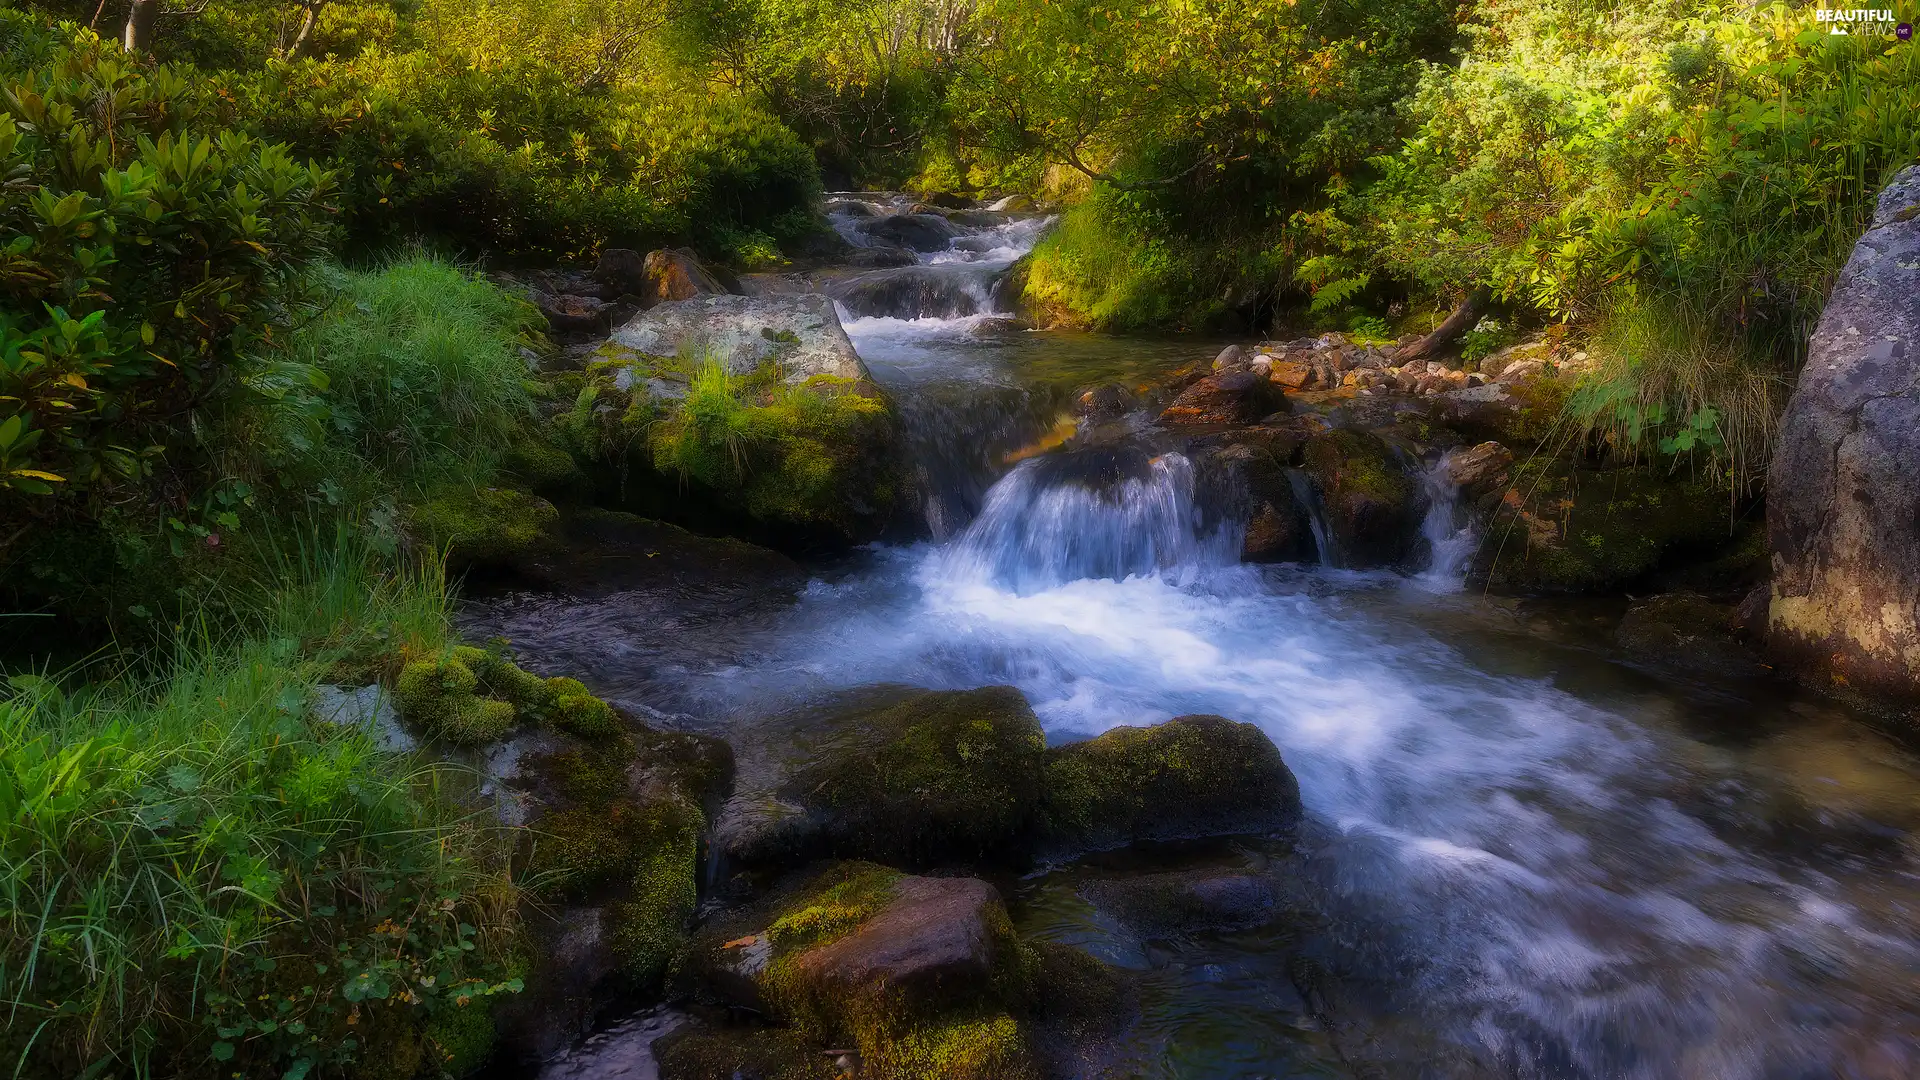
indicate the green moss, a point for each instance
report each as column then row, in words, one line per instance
column 650, row 926
column 1191, row 776
column 831, row 906
column 461, row 1038
column 490, row 526
column 574, row 709
column 990, row 1047
column 820, row 456
column 1368, row 498
column 940, row 775
column 546, row 468
column 438, row 697
column 694, row 1053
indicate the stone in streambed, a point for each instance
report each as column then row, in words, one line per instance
column 1231, row 397
column 1371, row 504
column 1186, row 901
column 935, row 777
column 798, row 334
column 1562, row 529
column 1480, row 471
column 1686, row 631
column 1192, row 776
column 921, row 232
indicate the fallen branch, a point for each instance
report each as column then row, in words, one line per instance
column 1448, row 332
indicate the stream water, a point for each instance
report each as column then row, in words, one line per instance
column 1526, row 855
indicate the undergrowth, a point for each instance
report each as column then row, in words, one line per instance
column 201, row 880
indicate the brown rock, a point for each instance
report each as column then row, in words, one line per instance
column 937, row 936
column 1292, row 374
column 1278, row 534
column 1481, row 469
column 568, row 314
column 1233, row 397
column 678, row 275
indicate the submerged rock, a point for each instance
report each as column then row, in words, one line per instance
column 1845, row 482
column 1186, row 901
column 1686, row 631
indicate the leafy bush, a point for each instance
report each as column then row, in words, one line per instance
column 154, row 255
column 201, row 881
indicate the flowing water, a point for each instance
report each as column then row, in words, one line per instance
column 1526, row 855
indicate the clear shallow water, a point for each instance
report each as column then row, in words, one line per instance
column 1525, row 856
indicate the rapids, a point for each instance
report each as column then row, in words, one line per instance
column 1526, row 855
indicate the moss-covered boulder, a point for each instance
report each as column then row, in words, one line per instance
column 919, row 977
column 1191, row 776
column 1370, row 504
column 612, row 856
column 485, row 527
column 916, row 777
column 1563, row 529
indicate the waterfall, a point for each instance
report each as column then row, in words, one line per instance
column 1109, row 513
column 1448, row 529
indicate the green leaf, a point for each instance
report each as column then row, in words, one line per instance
column 222, row 1051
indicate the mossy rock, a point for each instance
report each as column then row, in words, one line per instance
column 698, row 1052
column 1370, row 503
column 490, row 527
column 548, row 470
column 438, row 696
column 573, row 708
column 1191, row 776
column 941, row 775
column 460, row 1038
column 1567, row 530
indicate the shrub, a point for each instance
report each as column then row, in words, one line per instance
column 154, row 261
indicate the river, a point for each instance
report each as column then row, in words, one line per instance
column 1527, row 854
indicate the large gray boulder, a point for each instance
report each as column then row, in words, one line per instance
column 1843, row 496
column 799, row 333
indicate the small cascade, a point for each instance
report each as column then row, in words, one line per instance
column 938, row 291
column 1307, row 497
column 1448, row 529
column 1101, row 513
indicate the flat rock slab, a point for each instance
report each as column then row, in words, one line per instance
column 937, row 935
column 801, row 334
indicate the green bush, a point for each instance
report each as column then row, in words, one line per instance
column 152, row 267
column 202, row 881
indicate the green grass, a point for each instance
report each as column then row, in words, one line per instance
column 425, row 380
column 198, row 880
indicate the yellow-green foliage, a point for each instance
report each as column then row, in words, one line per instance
column 211, row 884
column 489, row 525
column 816, row 454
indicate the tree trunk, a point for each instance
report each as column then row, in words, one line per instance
column 141, row 17
column 310, row 16
column 1448, row 332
